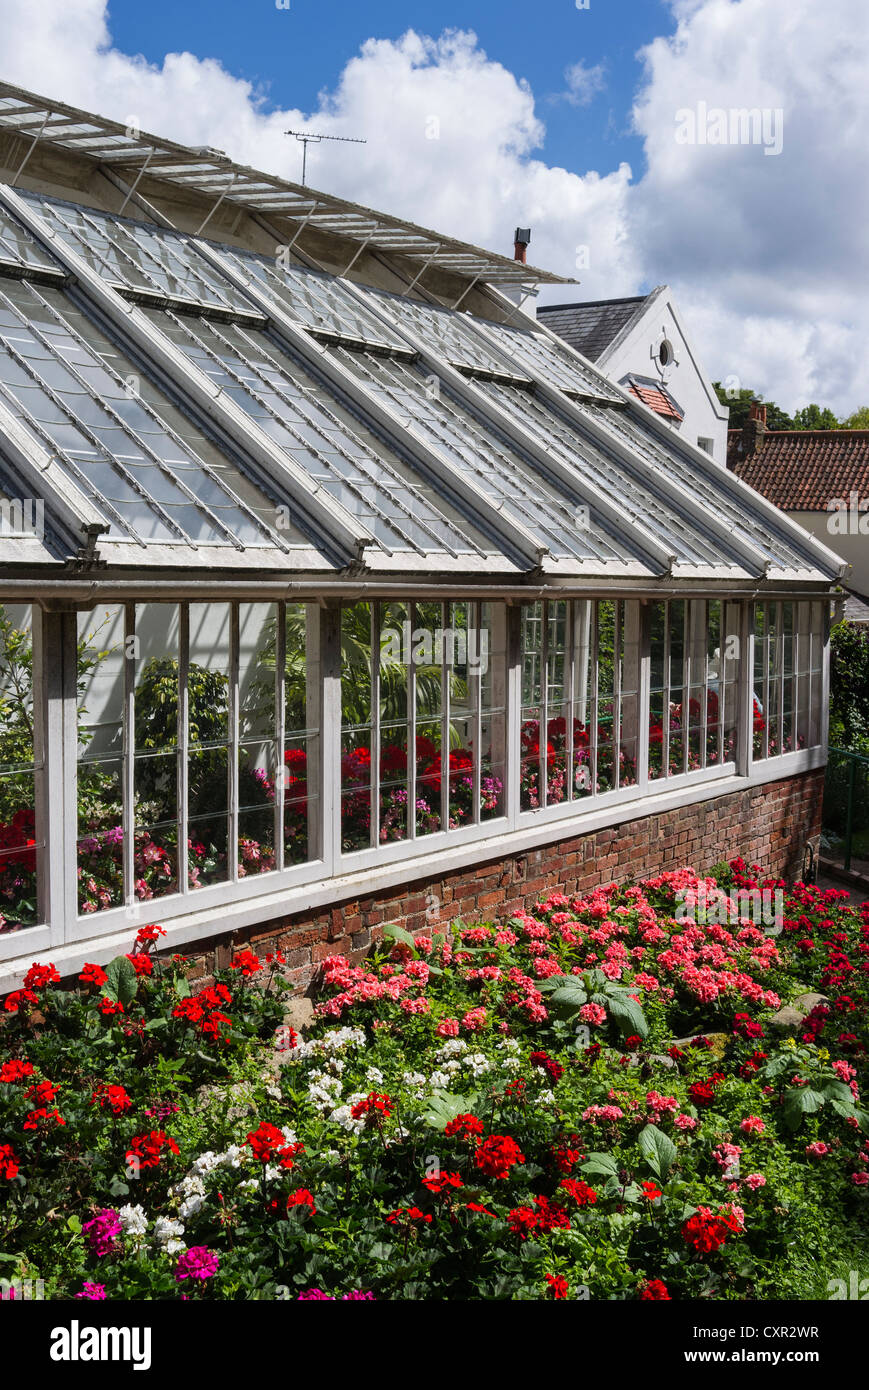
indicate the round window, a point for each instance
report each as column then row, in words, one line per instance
column 665, row 353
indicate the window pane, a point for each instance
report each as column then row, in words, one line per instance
column 101, row 830
column 208, row 740
column 257, row 746
column 19, row 843
column 155, row 774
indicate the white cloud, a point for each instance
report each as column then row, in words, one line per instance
column 768, row 255
column 584, row 82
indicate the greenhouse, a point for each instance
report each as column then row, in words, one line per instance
column 323, row 565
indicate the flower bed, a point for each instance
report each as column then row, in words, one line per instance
column 499, row 1111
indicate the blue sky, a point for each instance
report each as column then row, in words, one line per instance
column 293, row 55
column 548, row 116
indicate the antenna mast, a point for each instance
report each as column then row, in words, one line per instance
column 306, row 137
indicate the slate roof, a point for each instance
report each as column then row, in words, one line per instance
column 803, row 470
column 591, row 327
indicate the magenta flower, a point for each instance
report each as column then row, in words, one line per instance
column 94, row 1292
column 197, row 1263
column 315, row 1295
column 102, row 1231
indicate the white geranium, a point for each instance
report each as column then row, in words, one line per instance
column 134, row 1222
column 166, row 1235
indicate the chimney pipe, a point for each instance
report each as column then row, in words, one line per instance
column 754, row 430
column 521, row 238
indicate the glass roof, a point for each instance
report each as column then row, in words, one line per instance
column 322, row 303
column 540, row 356
column 140, row 257
column 503, row 474
column 669, row 460
column 19, row 249
column 113, row 430
column 647, row 504
column 443, row 482
column 399, row 506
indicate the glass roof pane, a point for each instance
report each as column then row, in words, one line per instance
column 499, row 471
column 669, row 460
column 638, row 500
column 117, row 444
column 139, row 256
column 542, row 358
column 321, row 437
column 315, row 300
column 448, row 331
column 19, row 248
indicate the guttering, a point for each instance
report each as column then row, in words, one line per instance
column 87, row 592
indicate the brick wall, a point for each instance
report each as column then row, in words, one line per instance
column 769, row 825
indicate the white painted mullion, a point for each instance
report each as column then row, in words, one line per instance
column 644, row 693
column 667, row 693
column 475, row 681
column 571, row 620
column 594, row 723
column 280, row 778
column 543, row 726
column 686, row 683
column 128, row 755
column 446, row 665
column 232, row 748
column 411, row 728
column 51, row 695
column 704, row 712
column 374, row 722
column 616, row 726
column 182, row 741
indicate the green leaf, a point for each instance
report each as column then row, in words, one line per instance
column 74, row 1225
column 572, row 995
column 397, row 933
column 628, row 1016
column 122, row 981
column 443, row 1106
column 798, row 1103
column 658, row 1149
column 601, row 1165
column 182, row 988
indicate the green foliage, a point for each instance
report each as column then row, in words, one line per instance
column 740, row 408
column 814, row 417
column 849, row 687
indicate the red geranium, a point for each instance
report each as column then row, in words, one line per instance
column 558, row 1285
column 93, row 975
column 465, row 1127
column 8, row 1162
column 247, row 963
column 146, row 1150
column 497, row 1154
column 654, row 1289
column 372, row 1105
column 38, row 976
column 115, row 1097
column 15, row 1071
column 582, row 1194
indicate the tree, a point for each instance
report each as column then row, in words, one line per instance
column 740, row 408
column 849, row 687
column 813, row 417
column 859, row 420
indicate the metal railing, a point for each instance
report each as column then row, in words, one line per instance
column 845, row 828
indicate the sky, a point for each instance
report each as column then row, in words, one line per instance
column 598, row 123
